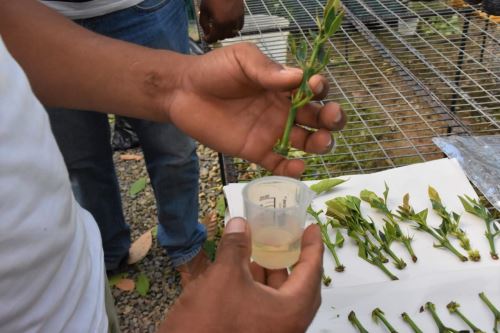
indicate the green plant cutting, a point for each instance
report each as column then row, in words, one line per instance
column 453, row 307
column 493, row 309
column 392, row 230
column 326, row 279
column 441, row 327
column 409, row 321
column 311, row 62
column 320, row 187
column 407, row 213
column 331, row 246
column 356, row 323
column 346, row 213
column 451, row 224
column 474, row 207
column 377, row 315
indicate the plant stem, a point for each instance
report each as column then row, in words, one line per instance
column 443, row 241
column 283, row 145
column 409, row 248
column 326, row 239
column 379, row 314
column 410, row 322
column 326, row 279
column 493, row 309
column 356, row 323
column 453, row 307
column 475, row 207
column 398, row 262
column 441, row 327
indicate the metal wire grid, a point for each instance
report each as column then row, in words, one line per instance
column 393, row 108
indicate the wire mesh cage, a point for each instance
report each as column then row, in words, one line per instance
column 403, row 71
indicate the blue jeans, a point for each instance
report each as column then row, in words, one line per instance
column 84, row 140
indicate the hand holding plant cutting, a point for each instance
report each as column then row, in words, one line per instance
column 238, row 101
column 318, row 59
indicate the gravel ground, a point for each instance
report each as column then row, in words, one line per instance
column 144, row 313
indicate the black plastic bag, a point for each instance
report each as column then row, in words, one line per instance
column 124, row 136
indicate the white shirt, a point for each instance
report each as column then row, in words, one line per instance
column 91, row 8
column 51, row 258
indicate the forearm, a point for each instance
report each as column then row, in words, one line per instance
column 69, row 66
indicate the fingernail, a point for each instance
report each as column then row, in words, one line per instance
column 291, row 70
column 319, row 88
column 338, row 116
column 235, row 225
column 329, row 143
column 330, row 148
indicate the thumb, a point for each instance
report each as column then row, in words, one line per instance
column 264, row 71
column 234, row 247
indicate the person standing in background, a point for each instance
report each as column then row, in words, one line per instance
column 83, row 136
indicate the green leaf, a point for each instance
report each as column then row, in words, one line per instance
column 386, row 192
column 293, row 46
column 301, row 52
column 467, row 206
column 221, row 206
column 329, row 19
column 116, row 278
column 423, row 215
column 326, row 185
column 433, row 194
column 154, row 231
column 138, row 186
column 335, row 25
column 210, row 249
column 368, row 196
column 362, row 251
column 142, row 284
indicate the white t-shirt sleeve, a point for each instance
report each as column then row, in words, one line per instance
column 51, row 260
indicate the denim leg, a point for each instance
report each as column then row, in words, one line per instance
column 170, row 155
column 172, row 165
column 83, row 138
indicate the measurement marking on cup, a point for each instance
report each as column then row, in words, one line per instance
column 267, row 201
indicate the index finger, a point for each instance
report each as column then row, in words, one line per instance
column 305, row 279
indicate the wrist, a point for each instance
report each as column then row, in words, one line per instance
column 158, row 78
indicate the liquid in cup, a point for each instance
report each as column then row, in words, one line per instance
column 275, row 208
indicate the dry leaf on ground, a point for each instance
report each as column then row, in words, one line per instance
column 125, row 285
column 140, row 248
column 210, row 223
column 130, row 157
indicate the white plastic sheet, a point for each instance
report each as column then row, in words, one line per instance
column 438, row 276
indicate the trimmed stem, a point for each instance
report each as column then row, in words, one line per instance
column 326, row 239
column 376, row 261
column 283, row 145
column 468, row 322
column 356, row 323
column 493, row 309
column 409, row 248
column 444, row 242
column 326, row 279
column 385, row 322
column 441, row 327
column 491, row 240
column 410, row 322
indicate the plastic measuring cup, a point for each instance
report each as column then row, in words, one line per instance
column 275, row 208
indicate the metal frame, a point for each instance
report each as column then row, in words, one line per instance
column 400, row 87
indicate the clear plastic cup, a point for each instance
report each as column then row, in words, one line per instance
column 276, row 208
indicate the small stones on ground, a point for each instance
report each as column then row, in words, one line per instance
column 144, row 313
